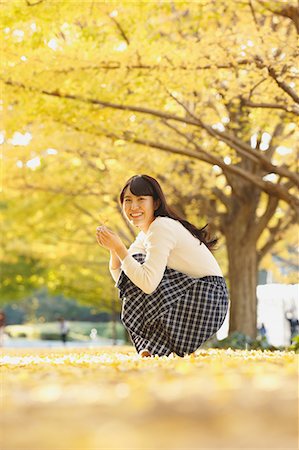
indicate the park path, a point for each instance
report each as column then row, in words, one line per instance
column 51, row 344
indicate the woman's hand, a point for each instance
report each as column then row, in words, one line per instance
column 110, row 240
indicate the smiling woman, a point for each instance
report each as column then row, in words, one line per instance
column 139, row 210
column 173, row 292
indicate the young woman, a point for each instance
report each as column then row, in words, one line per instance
column 173, row 293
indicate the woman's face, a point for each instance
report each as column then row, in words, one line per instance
column 139, row 210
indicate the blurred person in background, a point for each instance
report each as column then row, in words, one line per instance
column 64, row 329
column 293, row 323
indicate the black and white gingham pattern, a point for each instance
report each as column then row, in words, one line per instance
column 179, row 316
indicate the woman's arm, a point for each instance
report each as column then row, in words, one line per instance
column 112, row 242
column 114, row 262
column 114, row 265
column 161, row 239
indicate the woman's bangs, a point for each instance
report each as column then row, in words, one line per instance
column 139, row 186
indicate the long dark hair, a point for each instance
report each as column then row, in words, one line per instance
column 145, row 185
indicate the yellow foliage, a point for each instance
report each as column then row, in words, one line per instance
column 65, row 159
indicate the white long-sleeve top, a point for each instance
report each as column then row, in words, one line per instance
column 166, row 243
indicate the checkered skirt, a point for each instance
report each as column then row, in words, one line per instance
column 179, row 316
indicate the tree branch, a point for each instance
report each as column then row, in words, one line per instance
column 120, row 29
column 85, row 157
column 222, row 197
column 289, row 109
column 254, row 15
column 280, row 83
column 235, row 143
column 105, row 104
column 266, row 186
column 241, row 147
column 82, row 192
column 276, row 233
column 85, row 211
column 196, row 146
column 127, row 225
column 34, row 4
column 293, row 264
column 278, row 130
column 138, row 65
column 199, row 154
column 254, row 87
column 263, row 221
column 283, row 85
column 285, row 10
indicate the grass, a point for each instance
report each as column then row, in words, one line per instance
column 112, row 399
column 79, row 331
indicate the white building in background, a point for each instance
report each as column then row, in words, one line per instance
column 274, row 301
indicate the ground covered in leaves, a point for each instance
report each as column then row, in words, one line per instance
column 110, row 398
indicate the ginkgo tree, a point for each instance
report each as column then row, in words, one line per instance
column 202, row 94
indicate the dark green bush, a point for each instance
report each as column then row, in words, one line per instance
column 22, row 335
column 295, row 344
column 48, row 336
column 237, row 340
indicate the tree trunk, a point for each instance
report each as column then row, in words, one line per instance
column 242, row 259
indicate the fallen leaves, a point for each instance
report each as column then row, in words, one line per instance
column 111, row 398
